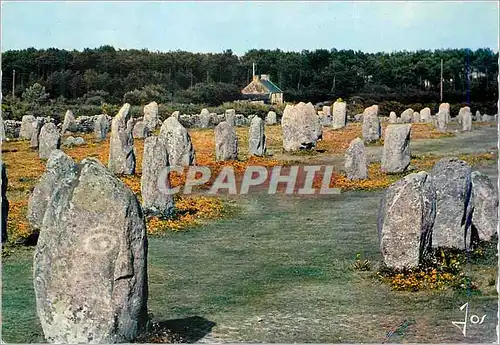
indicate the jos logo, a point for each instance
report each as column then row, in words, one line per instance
column 474, row 319
column 100, row 240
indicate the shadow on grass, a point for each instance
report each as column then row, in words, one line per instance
column 186, row 330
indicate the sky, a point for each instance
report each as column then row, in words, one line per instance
column 241, row 26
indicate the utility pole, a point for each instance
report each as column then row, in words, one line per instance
column 253, row 69
column 13, row 82
column 441, row 80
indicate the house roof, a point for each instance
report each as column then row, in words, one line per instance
column 270, row 86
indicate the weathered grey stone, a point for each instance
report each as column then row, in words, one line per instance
column 214, row 119
column 5, row 202
column 300, row 126
column 230, row 116
column 179, row 146
column 26, row 127
column 406, row 217
column 150, row 118
column 226, row 142
column 416, row 117
column 452, row 178
column 465, row 118
column 71, row 141
column 101, row 127
column 48, row 140
column 37, row 127
column 393, row 118
column 441, row 121
column 358, row 117
column 89, row 269
column 485, row 204
column 205, row 118
column 240, row 120
column 85, row 124
column 371, row 128
column 355, row 164
column 141, row 130
column 155, row 159
column 121, row 145
column 271, row 118
column 339, row 116
column 445, row 108
column 425, row 115
column 396, row 153
column 407, row 116
column 69, row 123
column 2, row 130
column 256, row 137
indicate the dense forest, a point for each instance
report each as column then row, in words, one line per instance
column 108, row 75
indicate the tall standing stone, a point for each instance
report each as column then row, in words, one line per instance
column 301, row 127
column 69, row 123
column 205, row 118
column 256, row 137
column 326, row 116
column 5, row 202
column 90, row 262
column 226, row 142
column 416, row 117
column 121, row 146
column 466, row 118
column 339, row 116
column 230, row 116
column 393, row 118
column 485, row 205
column 155, row 159
column 37, row 127
column 101, row 127
column 407, row 116
column 150, row 117
column 445, row 108
column 48, row 140
column 452, row 178
column 271, row 118
column 396, row 153
column 406, row 217
column 371, row 128
column 179, row 145
column 442, row 121
column 425, row 115
column 26, row 126
column 355, row 164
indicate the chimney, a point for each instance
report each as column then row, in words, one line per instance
column 264, row 76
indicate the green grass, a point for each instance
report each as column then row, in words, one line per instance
column 279, row 271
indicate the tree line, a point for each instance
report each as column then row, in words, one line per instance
column 109, row 75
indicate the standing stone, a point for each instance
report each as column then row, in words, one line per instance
column 445, row 108
column 230, row 116
column 121, row 145
column 355, row 164
column 271, row 118
column 406, row 217
column 393, row 118
column 466, row 119
column 301, row 127
column 141, row 130
column 358, row 117
column 339, row 115
column 179, row 146
column 37, row 127
column 2, row 130
column 416, row 117
column 26, row 126
column 226, row 142
column 371, row 128
column 176, row 114
column 90, row 262
column 150, row 117
column 256, row 137
column 396, row 153
column 485, row 204
column 441, row 121
column 155, row 159
column 452, row 178
column 425, row 115
column 5, row 203
column 325, row 116
column 240, row 120
column 48, row 140
column 101, row 127
column 407, row 116
column 69, row 123
column 205, row 118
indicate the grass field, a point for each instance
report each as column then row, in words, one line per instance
column 278, row 269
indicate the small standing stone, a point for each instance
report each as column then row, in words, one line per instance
column 155, row 159
column 393, row 118
column 101, row 127
column 466, row 118
column 407, row 116
column 48, row 140
column 179, row 146
column 271, row 118
column 37, row 127
column 326, row 116
column 485, row 204
column 301, row 127
column 355, row 161
column 396, row 153
column 150, row 118
column 371, row 128
column 26, row 126
column 121, row 147
column 230, row 116
column 226, row 142
column 442, row 121
column 141, row 130
column 339, row 116
column 425, row 115
column 205, row 118
column 416, row 117
column 69, row 123
column 256, row 137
